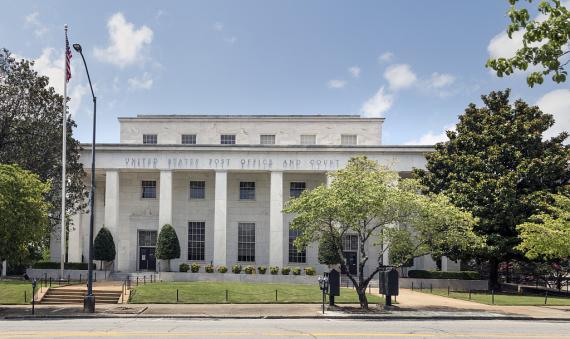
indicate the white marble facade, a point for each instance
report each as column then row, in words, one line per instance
column 121, row 169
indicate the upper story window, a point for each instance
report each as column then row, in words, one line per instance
column 267, row 139
column 348, row 139
column 308, row 139
column 189, row 139
column 148, row 189
column 296, row 188
column 149, row 139
column 228, row 139
column 197, row 189
column 247, row 190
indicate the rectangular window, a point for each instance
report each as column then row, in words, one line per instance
column 350, row 242
column 149, row 139
column 147, row 238
column 348, row 139
column 196, row 240
column 246, row 242
column 308, row 139
column 228, row 139
column 267, row 139
column 149, row 189
column 294, row 254
column 197, row 189
column 296, row 188
column 247, row 190
column 189, row 139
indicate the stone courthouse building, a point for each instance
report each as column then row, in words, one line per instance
column 221, row 182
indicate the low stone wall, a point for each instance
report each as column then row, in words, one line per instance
column 242, row 277
column 453, row 284
column 55, row 274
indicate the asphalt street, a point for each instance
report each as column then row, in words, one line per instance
column 286, row 328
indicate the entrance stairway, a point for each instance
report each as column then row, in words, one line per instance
column 74, row 295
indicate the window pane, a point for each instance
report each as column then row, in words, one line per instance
column 348, row 139
column 350, row 242
column 267, row 139
column 196, row 240
column 147, row 238
column 149, row 138
column 296, row 188
column 228, row 139
column 189, row 139
column 149, row 189
column 294, row 254
column 308, row 139
column 247, row 190
column 197, row 189
column 246, row 242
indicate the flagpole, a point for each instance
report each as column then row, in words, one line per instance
column 63, row 158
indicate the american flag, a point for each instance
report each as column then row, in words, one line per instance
column 68, row 57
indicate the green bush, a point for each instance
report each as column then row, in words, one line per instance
column 296, row 270
column 183, row 267
column 236, row 268
column 195, row 268
column 67, row 265
column 222, row 269
column 249, row 269
column 285, row 270
column 104, row 246
column 274, row 270
column 168, row 246
column 462, row 275
column 310, row 271
column 209, row 268
column 261, row 269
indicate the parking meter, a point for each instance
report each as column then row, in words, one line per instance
column 324, row 286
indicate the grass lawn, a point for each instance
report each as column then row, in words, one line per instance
column 12, row 292
column 202, row 292
column 504, row 299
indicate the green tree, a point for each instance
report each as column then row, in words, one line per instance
column 328, row 250
column 104, row 246
column 498, row 167
column 23, row 212
column 545, row 235
column 545, row 42
column 168, row 246
column 369, row 202
column 30, row 134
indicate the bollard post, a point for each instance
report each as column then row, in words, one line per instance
column 412, row 285
column 95, row 276
column 493, row 297
column 227, row 296
column 68, row 279
column 421, row 286
column 144, row 279
column 430, row 288
column 49, row 281
column 469, row 294
column 80, row 278
column 177, row 295
column 546, row 297
column 448, row 290
column 25, row 297
column 275, row 295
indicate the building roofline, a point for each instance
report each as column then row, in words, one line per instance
column 140, row 117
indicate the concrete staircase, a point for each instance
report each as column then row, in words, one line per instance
column 67, row 295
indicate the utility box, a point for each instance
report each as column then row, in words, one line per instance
column 334, row 282
column 389, row 282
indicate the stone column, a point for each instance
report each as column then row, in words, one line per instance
column 276, row 234
column 444, row 262
column 165, row 202
column 4, row 268
column 75, row 242
column 220, row 217
column 112, row 199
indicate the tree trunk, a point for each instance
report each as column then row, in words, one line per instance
column 494, row 275
column 362, row 297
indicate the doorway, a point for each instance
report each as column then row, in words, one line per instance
column 351, row 258
column 147, row 250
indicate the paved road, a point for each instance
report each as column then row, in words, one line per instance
column 320, row 328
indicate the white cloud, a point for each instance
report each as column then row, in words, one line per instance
column 126, row 44
column 386, row 57
column 354, row 71
column 218, row 26
column 557, row 103
column 432, row 138
column 335, row 83
column 377, row 104
column 231, row 40
column 439, row 80
column 144, row 82
column 400, row 76
column 32, row 20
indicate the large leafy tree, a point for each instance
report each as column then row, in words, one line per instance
column 30, row 133
column 23, row 212
column 545, row 235
column 498, row 167
column 168, row 246
column 370, row 202
column 545, row 42
column 104, row 246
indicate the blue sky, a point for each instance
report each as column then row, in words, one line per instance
column 417, row 63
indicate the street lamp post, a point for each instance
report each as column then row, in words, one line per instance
column 89, row 300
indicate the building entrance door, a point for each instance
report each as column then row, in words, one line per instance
column 351, row 258
column 147, row 259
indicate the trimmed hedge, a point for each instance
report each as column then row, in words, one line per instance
column 462, row 275
column 209, row 268
column 67, row 265
column 183, row 267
